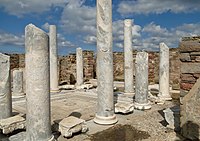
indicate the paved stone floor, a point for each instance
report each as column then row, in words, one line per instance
column 82, row 104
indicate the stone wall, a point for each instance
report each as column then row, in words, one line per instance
column 67, row 66
column 190, row 87
column 190, row 63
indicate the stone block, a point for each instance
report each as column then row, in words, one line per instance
column 188, row 78
column 124, row 108
column 71, row 125
column 172, row 116
column 11, row 124
column 190, row 67
column 190, row 121
column 189, row 46
column 186, row 86
column 185, row 57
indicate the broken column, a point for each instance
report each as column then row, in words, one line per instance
column 105, row 105
column 18, row 84
column 141, row 81
column 128, row 58
column 53, row 59
column 79, row 67
column 5, row 89
column 164, row 73
column 38, row 122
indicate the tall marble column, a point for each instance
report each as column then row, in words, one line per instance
column 79, row 67
column 141, row 81
column 53, row 59
column 105, row 105
column 128, row 58
column 164, row 73
column 38, row 121
column 18, row 84
column 5, row 88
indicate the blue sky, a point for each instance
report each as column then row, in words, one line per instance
column 154, row 21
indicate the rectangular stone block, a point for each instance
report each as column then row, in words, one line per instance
column 185, row 57
column 190, row 67
column 189, row 46
column 188, row 78
column 11, row 124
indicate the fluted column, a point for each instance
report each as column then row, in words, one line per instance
column 5, row 88
column 164, row 73
column 38, row 121
column 53, row 59
column 141, row 81
column 105, row 107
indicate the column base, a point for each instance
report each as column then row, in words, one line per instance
column 144, row 106
column 55, row 90
column 165, row 97
column 18, row 95
column 105, row 120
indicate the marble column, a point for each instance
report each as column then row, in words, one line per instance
column 128, row 58
column 79, row 67
column 105, row 101
column 141, row 82
column 18, row 84
column 5, row 88
column 53, row 59
column 38, row 121
column 164, row 73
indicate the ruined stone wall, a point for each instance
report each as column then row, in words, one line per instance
column 67, row 66
column 190, row 63
column 190, row 87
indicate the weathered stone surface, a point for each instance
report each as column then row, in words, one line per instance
column 53, row 59
column 190, row 121
column 164, row 73
column 124, row 108
column 85, row 86
column 5, row 90
column 18, row 84
column 79, row 67
column 172, row 116
column 186, row 86
column 189, row 46
column 11, row 124
column 141, row 81
column 105, row 105
column 128, row 57
column 188, row 78
column 38, row 121
column 185, row 57
column 190, row 67
column 71, row 125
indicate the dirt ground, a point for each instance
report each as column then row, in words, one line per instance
column 148, row 125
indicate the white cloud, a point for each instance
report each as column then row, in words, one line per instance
column 21, row 7
column 78, row 18
column 152, row 34
column 90, row 40
column 157, row 6
column 11, row 39
column 62, row 42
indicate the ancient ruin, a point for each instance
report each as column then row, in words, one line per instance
column 38, row 115
column 117, row 96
